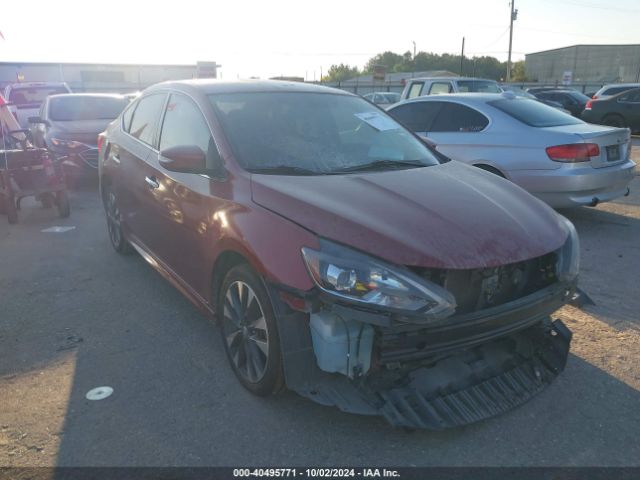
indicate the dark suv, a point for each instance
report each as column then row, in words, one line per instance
column 570, row 99
column 341, row 256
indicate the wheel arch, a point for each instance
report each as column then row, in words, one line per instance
column 490, row 167
column 226, row 260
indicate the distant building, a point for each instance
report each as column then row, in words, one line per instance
column 583, row 64
column 93, row 77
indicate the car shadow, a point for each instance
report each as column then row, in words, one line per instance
column 80, row 317
column 610, row 260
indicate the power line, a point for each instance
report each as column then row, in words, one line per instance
column 497, row 39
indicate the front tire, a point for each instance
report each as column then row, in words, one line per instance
column 249, row 331
column 114, row 223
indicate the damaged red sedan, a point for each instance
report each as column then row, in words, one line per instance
column 341, row 256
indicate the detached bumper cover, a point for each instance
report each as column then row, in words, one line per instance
column 445, row 389
column 419, row 404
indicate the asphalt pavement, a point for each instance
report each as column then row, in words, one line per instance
column 74, row 315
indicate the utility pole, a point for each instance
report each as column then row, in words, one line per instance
column 413, row 68
column 461, row 56
column 514, row 15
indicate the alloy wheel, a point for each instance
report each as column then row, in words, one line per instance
column 113, row 220
column 245, row 331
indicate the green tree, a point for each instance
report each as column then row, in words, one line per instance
column 518, row 72
column 485, row 67
column 340, row 73
column 388, row 59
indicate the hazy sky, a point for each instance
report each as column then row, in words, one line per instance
column 273, row 37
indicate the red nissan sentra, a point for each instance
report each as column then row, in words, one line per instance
column 341, row 256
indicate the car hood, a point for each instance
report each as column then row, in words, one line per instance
column 85, row 131
column 446, row 216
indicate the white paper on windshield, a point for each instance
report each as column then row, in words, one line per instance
column 378, row 121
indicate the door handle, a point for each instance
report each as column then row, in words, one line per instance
column 152, row 182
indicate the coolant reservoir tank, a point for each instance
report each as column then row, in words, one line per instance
column 341, row 345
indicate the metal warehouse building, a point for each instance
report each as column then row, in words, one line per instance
column 88, row 77
column 585, row 64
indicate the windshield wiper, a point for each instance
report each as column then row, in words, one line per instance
column 384, row 165
column 284, row 170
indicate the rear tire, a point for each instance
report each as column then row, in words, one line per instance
column 614, row 120
column 249, row 331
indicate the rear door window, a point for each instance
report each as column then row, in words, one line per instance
column 455, row 117
column 145, row 118
column 631, row 97
column 440, row 87
column 418, row 116
column 615, row 90
column 415, row 89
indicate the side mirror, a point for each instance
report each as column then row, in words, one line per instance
column 184, row 159
column 38, row 120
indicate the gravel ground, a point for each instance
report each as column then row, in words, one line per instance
column 74, row 316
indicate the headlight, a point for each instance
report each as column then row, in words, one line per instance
column 66, row 143
column 568, row 264
column 356, row 277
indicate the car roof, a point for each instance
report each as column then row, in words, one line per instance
column 453, row 78
column 210, row 86
column 473, row 97
column 86, row 95
column 613, row 85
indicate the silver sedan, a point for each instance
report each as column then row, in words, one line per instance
column 556, row 157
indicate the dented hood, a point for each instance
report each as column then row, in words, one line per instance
column 445, row 216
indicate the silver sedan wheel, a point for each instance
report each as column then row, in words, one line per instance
column 245, row 331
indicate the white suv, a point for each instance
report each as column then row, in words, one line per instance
column 25, row 98
column 418, row 87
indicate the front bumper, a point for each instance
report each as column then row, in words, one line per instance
column 476, row 367
column 78, row 162
column 576, row 185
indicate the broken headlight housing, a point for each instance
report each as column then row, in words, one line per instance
column 358, row 278
column 569, row 254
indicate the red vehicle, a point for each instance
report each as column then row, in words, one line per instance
column 341, row 256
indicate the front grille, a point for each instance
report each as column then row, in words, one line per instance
column 90, row 157
column 482, row 288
